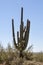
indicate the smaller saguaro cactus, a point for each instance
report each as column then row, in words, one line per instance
column 23, row 37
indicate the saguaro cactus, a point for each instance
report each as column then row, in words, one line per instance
column 22, row 40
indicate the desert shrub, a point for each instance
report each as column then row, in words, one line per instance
column 17, row 61
column 31, row 63
column 39, row 57
column 1, row 61
column 2, row 54
column 3, row 57
column 28, row 55
column 7, row 62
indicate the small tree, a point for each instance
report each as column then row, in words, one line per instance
column 22, row 40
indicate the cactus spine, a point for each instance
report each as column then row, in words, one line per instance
column 22, row 41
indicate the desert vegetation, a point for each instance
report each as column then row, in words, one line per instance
column 19, row 55
column 10, row 56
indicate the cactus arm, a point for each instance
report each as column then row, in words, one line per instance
column 21, row 14
column 21, row 26
column 18, row 39
column 13, row 33
column 28, row 29
column 26, row 36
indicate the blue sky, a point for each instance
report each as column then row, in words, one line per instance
column 32, row 10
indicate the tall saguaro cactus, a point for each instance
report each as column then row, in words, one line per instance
column 22, row 40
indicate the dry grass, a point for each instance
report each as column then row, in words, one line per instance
column 12, row 58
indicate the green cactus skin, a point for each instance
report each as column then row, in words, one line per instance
column 22, row 40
